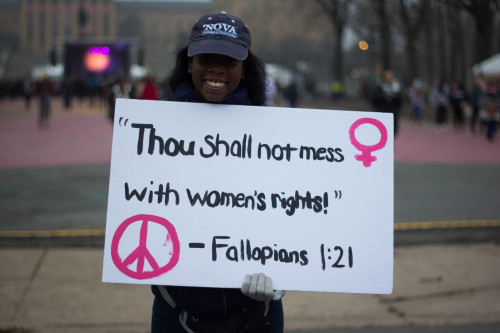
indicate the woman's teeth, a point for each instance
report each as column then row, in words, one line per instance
column 215, row 84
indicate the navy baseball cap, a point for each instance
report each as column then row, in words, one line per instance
column 220, row 34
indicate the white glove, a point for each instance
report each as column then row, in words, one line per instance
column 278, row 294
column 260, row 287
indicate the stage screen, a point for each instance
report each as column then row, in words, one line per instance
column 97, row 59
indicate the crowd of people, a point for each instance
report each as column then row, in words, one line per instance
column 450, row 105
column 103, row 91
column 98, row 92
column 477, row 108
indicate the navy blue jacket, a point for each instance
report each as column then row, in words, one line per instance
column 208, row 302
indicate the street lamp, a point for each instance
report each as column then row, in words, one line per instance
column 363, row 45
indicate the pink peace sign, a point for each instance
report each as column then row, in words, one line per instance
column 141, row 253
column 366, row 151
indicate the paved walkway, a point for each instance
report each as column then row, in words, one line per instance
column 59, row 290
column 80, row 136
column 53, row 289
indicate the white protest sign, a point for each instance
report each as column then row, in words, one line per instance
column 202, row 194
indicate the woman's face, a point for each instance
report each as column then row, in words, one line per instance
column 215, row 76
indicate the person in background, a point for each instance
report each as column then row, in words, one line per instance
column 27, row 91
column 336, row 88
column 218, row 67
column 474, row 99
column 490, row 116
column 271, row 91
column 387, row 97
column 121, row 89
column 150, row 89
column 438, row 98
column 44, row 89
column 458, row 98
column 68, row 90
column 417, row 100
column 292, row 94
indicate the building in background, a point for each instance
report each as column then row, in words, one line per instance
column 162, row 29
column 35, row 32
column 44, row 23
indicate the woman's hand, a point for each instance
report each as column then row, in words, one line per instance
column 259, row 287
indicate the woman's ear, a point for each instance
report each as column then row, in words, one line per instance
column 190, row 63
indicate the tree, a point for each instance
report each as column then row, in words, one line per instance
column 428, row 49
column 374, row 20
column 441, row 42
column 412, row 25
column 382, row 13
column 483, row 13
column 338, row 13
column 456, row 28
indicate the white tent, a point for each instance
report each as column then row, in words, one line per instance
column 138, row 72
column 53, row 72
column 488, row 68
column 280, row 74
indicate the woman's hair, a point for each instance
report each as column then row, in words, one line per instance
column 254, row 80
column 180, row 72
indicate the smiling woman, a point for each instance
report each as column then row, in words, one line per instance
column 217, row 66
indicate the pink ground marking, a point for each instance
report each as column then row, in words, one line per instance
column 424, row 144
column 84, row 136
column 67, row 141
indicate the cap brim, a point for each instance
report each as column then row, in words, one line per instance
column 218, row 46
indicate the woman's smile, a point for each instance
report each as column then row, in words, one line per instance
column 215, row 84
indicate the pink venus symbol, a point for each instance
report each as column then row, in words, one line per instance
column 366, row 151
